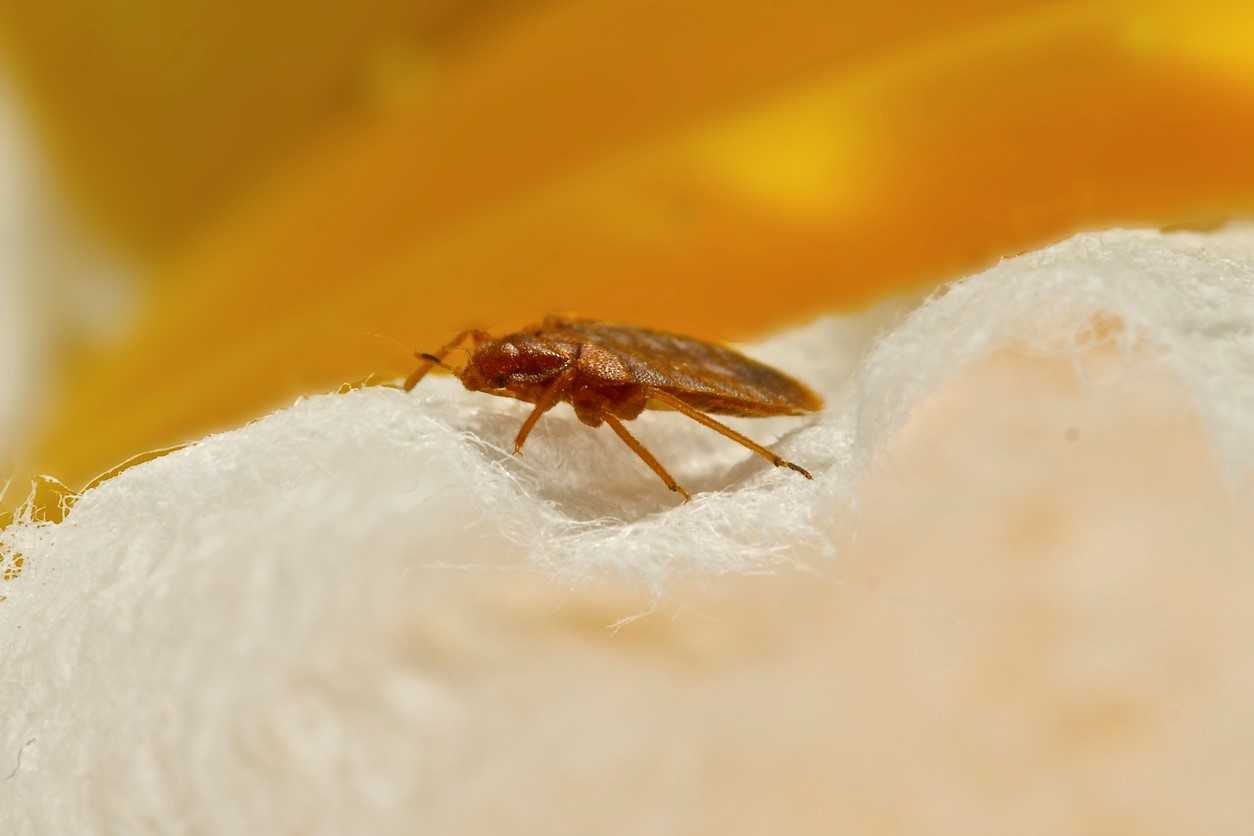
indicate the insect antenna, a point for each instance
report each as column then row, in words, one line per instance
column 379, row 335
column 438, row 358
column 431, row 358
column 428, row 362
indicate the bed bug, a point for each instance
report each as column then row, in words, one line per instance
column 611, row 373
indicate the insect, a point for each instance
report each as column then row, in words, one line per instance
column 611, row 373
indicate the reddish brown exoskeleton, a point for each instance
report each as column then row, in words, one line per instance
column 611, row 373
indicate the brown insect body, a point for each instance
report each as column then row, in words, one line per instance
column 611, row 373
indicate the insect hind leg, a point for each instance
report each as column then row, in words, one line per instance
column 644, row 454
column 701, row 418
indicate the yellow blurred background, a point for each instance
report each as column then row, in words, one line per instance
column 298, row 195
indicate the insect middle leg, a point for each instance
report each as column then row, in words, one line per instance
column 643, row 452
column 701, row 418
column 430, row 360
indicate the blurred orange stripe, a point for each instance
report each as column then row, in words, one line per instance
column 717, row 171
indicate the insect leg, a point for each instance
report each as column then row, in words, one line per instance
column 547, row 400
column 701, row 418
column 430, row 360
column 643, row 452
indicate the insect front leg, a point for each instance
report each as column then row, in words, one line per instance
column 547, row 400
column 701, row 418
column 430, row 360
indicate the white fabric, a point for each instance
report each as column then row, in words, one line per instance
column 361, row 615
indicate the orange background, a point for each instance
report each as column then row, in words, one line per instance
column 310, row 192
